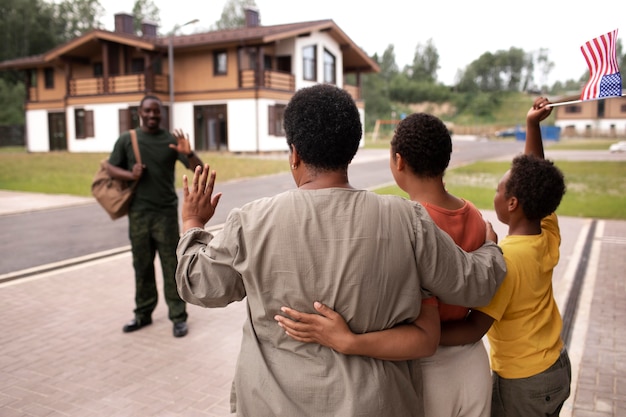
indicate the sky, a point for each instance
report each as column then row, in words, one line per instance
column 460, row 30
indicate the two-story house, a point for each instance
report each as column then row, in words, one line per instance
column 592, row 118
column 228, row 92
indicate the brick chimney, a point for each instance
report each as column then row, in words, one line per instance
column 149, row 29
column 124, row 23
column 252, row 17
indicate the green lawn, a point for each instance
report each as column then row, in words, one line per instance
column 72, row 173
column 594, row 189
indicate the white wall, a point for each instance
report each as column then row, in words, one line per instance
column 322, row 41
column 247, row 119
column 184, row 119
column 38, row 138
column 106, row 122
column 267, row 142
column 602, row 126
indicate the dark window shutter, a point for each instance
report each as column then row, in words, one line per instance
column 165, row 118
column 124, row 120
column 89, row 128
column 271, row 112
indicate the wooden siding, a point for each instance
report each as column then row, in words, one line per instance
column 354, row 91
column 195, row 72
column 589, row 109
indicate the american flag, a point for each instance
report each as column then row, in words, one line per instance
column 604, row 77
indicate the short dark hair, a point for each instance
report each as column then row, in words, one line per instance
column 324, row 125
column 424, row 142
column 537, row 184
column 149, row 97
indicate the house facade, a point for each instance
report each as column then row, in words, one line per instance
column 592, row 118
column 228, row 91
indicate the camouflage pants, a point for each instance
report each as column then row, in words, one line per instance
column 152, row 232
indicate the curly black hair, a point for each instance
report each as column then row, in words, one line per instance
column 537, row 184
column 424, row 142
column 324, row 125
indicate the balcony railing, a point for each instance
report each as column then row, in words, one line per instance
column 354, row 91
column 117, row 84
column 159, row 83
column 267, row 79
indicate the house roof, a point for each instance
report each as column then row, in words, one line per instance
column 354, row 58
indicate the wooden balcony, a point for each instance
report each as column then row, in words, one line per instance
column 117, row 84
column 268, row 79
column 134, row 83
column 354, row 91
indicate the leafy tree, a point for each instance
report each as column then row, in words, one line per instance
column 425, row 63
column 145, row 10
column 388, row 66
column 31, row 27
column 621, row 56
column 233, row 14
column 80, row 16
column 406, row 90
column 510, row 70
column 376, row 96
column 11, row 103
column 568, row 86
column 27, row 27
column 545, row 67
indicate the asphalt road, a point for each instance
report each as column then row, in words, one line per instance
column 39, row 238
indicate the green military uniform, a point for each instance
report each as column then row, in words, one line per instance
column 153, row 219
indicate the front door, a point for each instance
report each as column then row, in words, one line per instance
column 56, row 132
column 210, row 128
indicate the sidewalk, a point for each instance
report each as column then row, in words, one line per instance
column 64, row 353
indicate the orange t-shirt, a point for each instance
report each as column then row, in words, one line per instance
column 467, row 228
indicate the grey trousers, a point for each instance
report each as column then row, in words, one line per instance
column 539, row 395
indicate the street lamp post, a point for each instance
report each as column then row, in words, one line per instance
column 170, row 59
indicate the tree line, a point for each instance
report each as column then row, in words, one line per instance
column 31, row 27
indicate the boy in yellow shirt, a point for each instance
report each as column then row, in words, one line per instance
column 531, row 368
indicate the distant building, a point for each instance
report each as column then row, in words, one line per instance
column 230, row 87
column 592, row 118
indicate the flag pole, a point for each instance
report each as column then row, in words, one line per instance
column 568, row 100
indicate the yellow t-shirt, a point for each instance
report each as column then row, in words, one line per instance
column 525, row 337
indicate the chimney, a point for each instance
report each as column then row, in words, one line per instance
column 124, row 23
column 252, row 17
column 149, row 30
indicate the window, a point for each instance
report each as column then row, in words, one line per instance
column 283, row 63
column 309, row 63
column 601, row 108
column 32, row 75
column 220, row 63
column 276, row 117
column 573, row 109
column 98, row 70
column 329, row 68
column 83, row 120
column 157, row 66
column 137, row 66
column 48, row 75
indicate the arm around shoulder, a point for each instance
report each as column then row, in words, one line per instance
column 458, row 277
